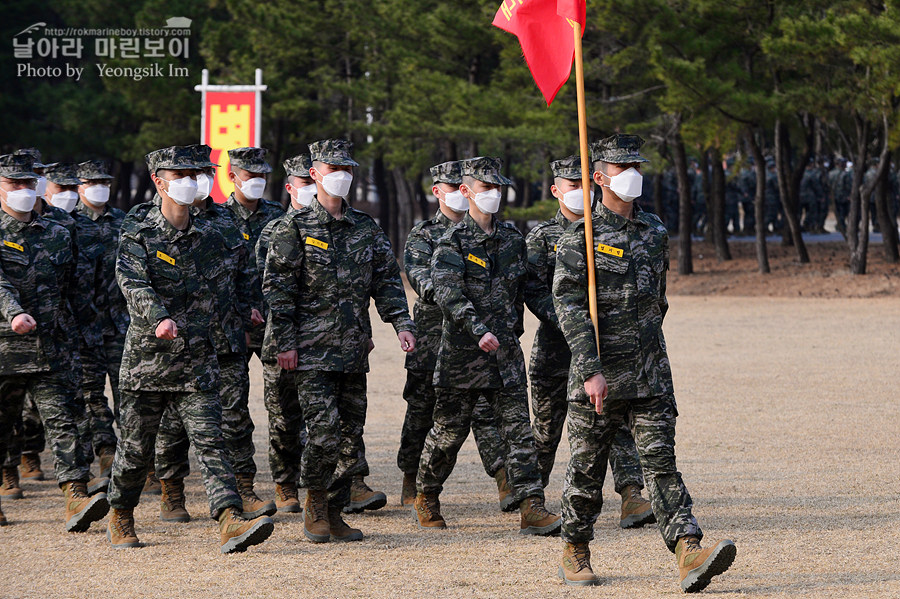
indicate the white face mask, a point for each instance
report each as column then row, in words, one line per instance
column 304, row 196
column 337, row 184
column 627, row 184
column 183, row 191
column 21, row 200
column 64, row 200
column 97, row 194
column 488, row 201
column 456, row 201
column 41, row 187
column 254, row 188
column 574, row 200
column 204, row 186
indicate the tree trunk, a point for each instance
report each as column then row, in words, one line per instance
column 788, row 202
column 759, row 203
column 887, row 224
column 707, row 190
column 859, row 231
column 144, row 184
column 124, row 179
column 717, row 222
column 658, row 207
column 685, row 260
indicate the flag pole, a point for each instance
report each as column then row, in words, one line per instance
column 586, row 181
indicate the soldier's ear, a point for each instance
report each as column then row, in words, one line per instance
column 554, row 190
column 464, row 189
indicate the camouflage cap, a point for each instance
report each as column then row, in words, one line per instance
column 447, row 172
column 201, row 156
column 17, row 166
column 92, row 170
column 34, row 153
column 567, row 168
column 62, row 173
column 298, row 166
column 618, row 149
column 332, row 151
column 250, row 159
column 176, row 158
column 485, row 169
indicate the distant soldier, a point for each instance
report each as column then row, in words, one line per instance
column 550, row 356
column 698, row 201
column 812, row 194
column 733, row 197
column 631, row 378
column 747, row 186
column 837, row 193
column 773, row 203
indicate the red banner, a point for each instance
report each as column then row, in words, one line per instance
column 230, row 123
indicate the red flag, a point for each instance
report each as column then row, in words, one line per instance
column 544, row 29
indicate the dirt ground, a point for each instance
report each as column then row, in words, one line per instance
column 787, row 440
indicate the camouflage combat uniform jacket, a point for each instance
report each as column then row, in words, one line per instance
column 269, row 348
column 631, row 258
column 479, row 283
column 320, row 274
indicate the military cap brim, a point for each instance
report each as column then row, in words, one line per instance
column 60, row 177
column 333, row 161
column 22, row 175
column 492, row 179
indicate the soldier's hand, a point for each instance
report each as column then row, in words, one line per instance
column 23, row 323
column 247, row 338
column 489, row 343
column 407, row 341
column 597, row 390
column 167, row 329
column 256, row 317
column 288, row 359
column 371, row 346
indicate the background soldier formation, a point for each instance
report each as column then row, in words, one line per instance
column 182, row 291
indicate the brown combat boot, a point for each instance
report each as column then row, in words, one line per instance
column 408, row 490
column 151, row 485
column 636, row 511
column 82, row 509
column 238, row 533
column 10, row 488
column 536, row 520
column 254, row 507
column 106, row 459
column 120, row 531
column 697, row 566
column 339, row 530
column 98, row 484
column 575, row 568
column 428, row 511
column 287, row 498
column 363, row 498
column 171, row 507
column 31, row 467
column 3, row 521
column 507, row 501
column 315, row 517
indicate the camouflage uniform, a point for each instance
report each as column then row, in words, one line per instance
column 631, row 259
column 550, row 356
column 419, row 392
column 747, row 185
column 773, row 203
column 166, row 273
column 812, row 194
column 320, row 275
column 479, row 283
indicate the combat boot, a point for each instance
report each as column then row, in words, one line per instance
column 238, row 533
column 428, row 511
column 31, row 467
column 287, row 499
column 151, row 485
column 254, row 507
column 507, row 501
column 363, row 498
column 10, row 488
column 575, row 568
column 171, row 507
column 315, row 517
column 339, row 530
column 3, row 521
column 106, row 459
column 408, row 490
column 697, row 566
column 536, row 520
column 120, row 531
column 98, row 484
column 636, row 511
column 82, row 509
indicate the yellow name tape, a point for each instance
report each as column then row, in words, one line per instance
column 554, row 247
column 246, row 237
column 166, row 258
column 607, row 249
column 14, row 246
column 316, row 242
column 476, row 260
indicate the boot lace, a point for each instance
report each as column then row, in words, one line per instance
column 538, row 511
column 245, row 489
column 581, row 557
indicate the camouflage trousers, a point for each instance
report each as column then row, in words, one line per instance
column 549, row 406
column 334, row 409
column 420, row 399
column 237, row 427
column 590, row 437
column 452, row 420
column 287, row 431
column 29, row 435
column 61, row 409
column 98, row 363
column 139, row 418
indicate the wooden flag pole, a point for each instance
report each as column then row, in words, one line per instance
column 586, row 181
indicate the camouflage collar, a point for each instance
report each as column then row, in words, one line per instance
column 476, row 230
column 242, row 210
column 442, row 218
column 95, row 216
column 14, row 225
column 156, row 220
column 618, row 221
column 325, row 217
column 561, row 220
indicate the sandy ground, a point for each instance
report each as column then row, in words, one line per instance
column 787, row 440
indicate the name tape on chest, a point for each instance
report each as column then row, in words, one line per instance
column 245, row 236
column 476, row 260
column 608, row 249
column 554, row 247
column 14, row 246
column 166, row 258
column 315, row 242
